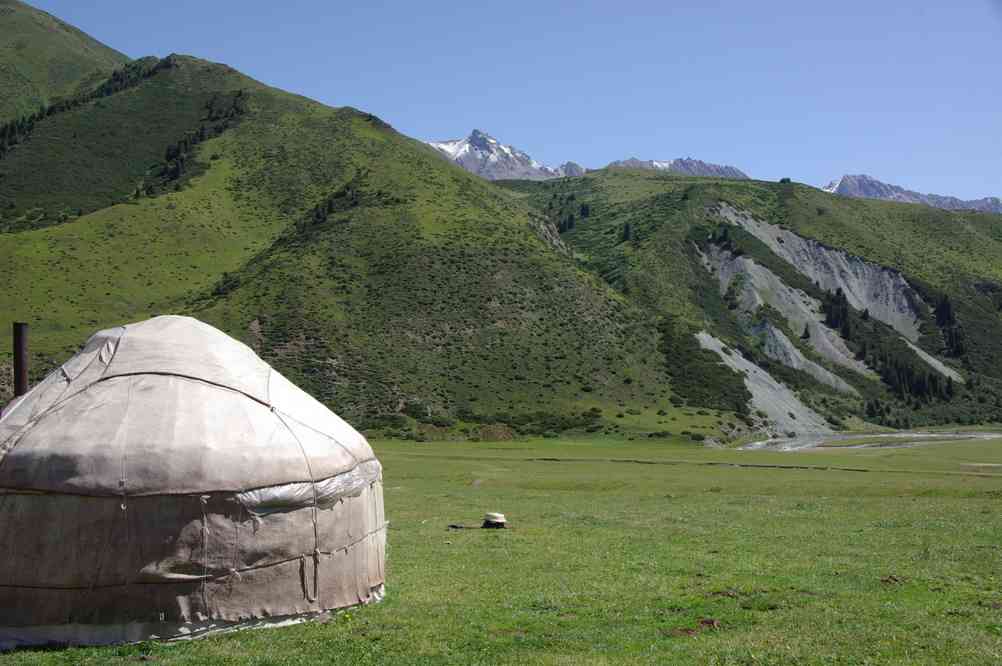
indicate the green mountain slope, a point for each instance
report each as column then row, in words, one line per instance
column 418, row 288
column 438, row 297
column 406, row 292
column 107, row 148
column 648, row 235
column 43, row 59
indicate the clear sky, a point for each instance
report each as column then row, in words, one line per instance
column 909, row 91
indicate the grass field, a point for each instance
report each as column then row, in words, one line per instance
column 710, row 557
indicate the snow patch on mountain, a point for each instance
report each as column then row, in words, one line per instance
column 482, row 154
column 687, row 166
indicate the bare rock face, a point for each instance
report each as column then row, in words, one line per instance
column 548, row 231
column 867, row 286
column 867, row 187
column 786, row 412
column 936, row 364
column 779, row 348
column 686, row 166
column 758, row 286
column 485, row 156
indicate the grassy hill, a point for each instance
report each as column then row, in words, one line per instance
column 109, row 148
column 370, row 270
column 43, row 59
column 642, row 233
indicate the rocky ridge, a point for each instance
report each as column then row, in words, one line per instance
column 686, row 166
column 862, row 186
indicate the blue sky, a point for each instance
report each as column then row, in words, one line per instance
column 906, row 91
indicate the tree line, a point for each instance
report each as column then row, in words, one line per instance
column 346, row 197
column 564, row 211
column 17, row 131
column 221, row 112
column 953, row 334
column 898, row 366
column 350, row 195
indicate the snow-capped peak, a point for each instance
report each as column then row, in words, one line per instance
column 482, row 154
column 833, row 186
column 682, row 165
column 453, row 149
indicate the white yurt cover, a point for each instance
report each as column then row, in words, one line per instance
column 166, row 481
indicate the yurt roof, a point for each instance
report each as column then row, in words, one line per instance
column 170, row 405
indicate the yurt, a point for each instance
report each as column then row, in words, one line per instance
column 166, row 482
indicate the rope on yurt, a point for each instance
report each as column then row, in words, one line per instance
column 204, row 500
column 121, row 484
column 316, row 528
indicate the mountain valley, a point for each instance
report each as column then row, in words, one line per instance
column 400, row 285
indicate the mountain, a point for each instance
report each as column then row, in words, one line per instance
column 833, row 309
column 684, row 165
column 485, row 156
column 363, row 266
column 867, row 187
column 420, row 300
column 43, row 59
column 482, row 154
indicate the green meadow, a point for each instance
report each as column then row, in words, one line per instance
column 660, row 551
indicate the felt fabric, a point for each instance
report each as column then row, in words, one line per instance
column 167, row 476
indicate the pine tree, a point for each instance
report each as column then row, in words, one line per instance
column 846, row 329
column 944, row 312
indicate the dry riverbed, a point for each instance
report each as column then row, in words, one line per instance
column 902, row 439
